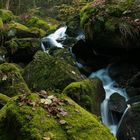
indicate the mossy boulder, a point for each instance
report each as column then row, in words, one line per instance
column 88, row 93
column 22, row 49
column 11, row 81
column 37, row 22
column 129, row 127
column 48, row 72
column 6, row 15
column 112, row 25
column 27, row 117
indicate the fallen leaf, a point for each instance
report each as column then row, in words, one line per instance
column 62, row 122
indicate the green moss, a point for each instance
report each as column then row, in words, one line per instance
column 11, row 81
column 17, row 25
column 34, row 123
column 116, row 20
column 37, row 22
column 1, row 23
column 48, row 72
column 6, row 15
column 3, row 100
column 88, row 93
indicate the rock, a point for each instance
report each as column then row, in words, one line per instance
column 132, row 92
column 88, row 93
column 19, row 30
column 121, row 72
column 11, row 81
column 37, row 123
column 110, row 28
column 130, row 124
column 22, row 50
column 117, row 103
column 48, row 72
column 117, row 106
column 135, row 81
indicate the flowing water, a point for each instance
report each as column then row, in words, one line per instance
column 55, row 39
column 109, row 86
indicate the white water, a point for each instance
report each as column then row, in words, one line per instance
column 55, row 39
column 109, row 86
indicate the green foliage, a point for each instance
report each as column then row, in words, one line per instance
column 6, row 15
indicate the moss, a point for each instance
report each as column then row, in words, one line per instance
column 11, row 81
column 3, row 100
column 23, row 122
column 17, row 25
column 37, row 22
column 48, row 72
column 1, row 23
column 88, row 93
column 6, row 15
column 116, row 20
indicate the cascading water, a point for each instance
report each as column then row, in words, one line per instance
column 54, row 39
column 109, row 86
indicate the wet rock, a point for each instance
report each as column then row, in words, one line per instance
column 132, row 92
column 135, row 80
column 88, row 93
column 129, row 128
column 117, row 103
column 121, row 72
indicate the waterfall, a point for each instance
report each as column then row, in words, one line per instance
column 55, row 39
column 109, row 86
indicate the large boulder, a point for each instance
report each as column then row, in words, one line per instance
column 129, row 128
column 88, row 93
column 48, row 72
column 56, row 118
column 112, row 26
column 22, row 49
column 11, row 81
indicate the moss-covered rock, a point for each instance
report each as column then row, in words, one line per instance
column 27, row 117
column 40, row 23
column 88, row 93
column 48, row 72
column 11, row 81
column 22, row 49
column 6, row 15
column 3, row 100
column 112, row 24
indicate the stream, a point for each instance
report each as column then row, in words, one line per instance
column 56, row 40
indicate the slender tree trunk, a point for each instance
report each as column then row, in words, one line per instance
column 7, row 4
